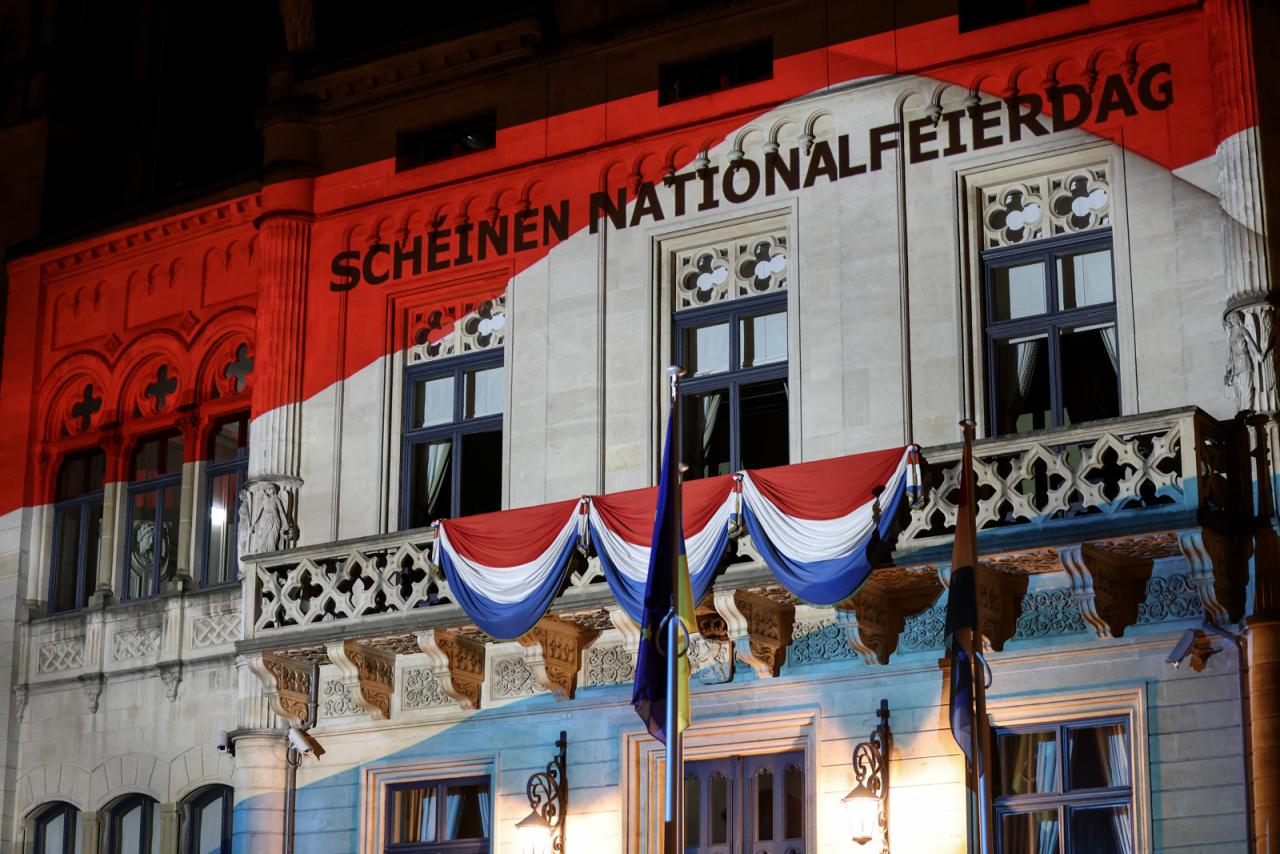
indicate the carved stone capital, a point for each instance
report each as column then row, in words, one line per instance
column 874, row 617
column 553, row 652
column 758, row 627
column 286, row 685
column 1107, row 586
column 171, row 678
column 92, row 683
column 457, row 663
column 368, row 673
column 1219, row 573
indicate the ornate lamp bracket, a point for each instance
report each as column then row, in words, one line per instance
column 548, row 793
column 871, row 785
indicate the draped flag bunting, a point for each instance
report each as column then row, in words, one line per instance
column 505, row 568
column 621, row 530
column 813, row 522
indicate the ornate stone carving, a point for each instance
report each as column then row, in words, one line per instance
column 215, row 629
column 612, row 664
column 1170, row 598
column 752, row 264
column 135, row 643
column 369, row 675
column 457, row 329
column 1106, row 586
column 422, row 690
column 171, row 679
column 924, row 630
column 874, row 617
column 1251, row 367
column 711, row 660
column 266, row 516
column 553, row 652
column 92, row 683
column 818, row 641
column 1017, row 213
column 1046, row 613
column 512, row 678
column 999, row 596
column 457, row 663
column 1218, row 572
column 57, row 656
column 759, row 629
column 336, row 700
column 286, row 685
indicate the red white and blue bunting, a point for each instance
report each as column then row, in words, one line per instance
column 814, row 524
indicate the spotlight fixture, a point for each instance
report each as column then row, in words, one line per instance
column 542, row 830
column 867, row 805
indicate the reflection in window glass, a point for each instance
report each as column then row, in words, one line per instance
column 762, row 339
column 1018, row 291
column 1098, row 756
column 224, row 490
column 1028, row 762
column 1084, row 278
column 433, row 401
column 1102, row 830
column 705, row 424
column 466, row 811
column 1031, row 833
column 763, row 417
column 706, row 350
column 1022, row 388
column 454, row 814
column 413, row 815
column 484, row 393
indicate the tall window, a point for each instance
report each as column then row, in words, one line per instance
column 745, row 805
column 731, row 339
column 439, row 816
column 1065, row 789
column 207, row 816
column 1050, row 304
column 77, row 530
column 133, row 826
column 224, row 478
column 453, row 438
column 151, row 551
column 57, row 829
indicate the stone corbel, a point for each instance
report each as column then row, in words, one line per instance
column 92, row 683
column 171, row 678
column 873, row 618
column 1219, row 573
column 368, row 674
column 758, row 627
column 710, row 650
column 999, row 596
column 1106, row 586
column 457, row 663
column 286, row 685
column 553, row 652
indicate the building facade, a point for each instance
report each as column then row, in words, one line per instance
column 229, row 430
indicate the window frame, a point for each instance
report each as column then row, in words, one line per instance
column 1051, row 322
column 191, row 808
column 1065, row 801
column 456, row 367
column 732, row 312
column 743, row 824
column 84, row 502
column 71, row 819
column 122, row 807
column 456, row 846
column 158, row 485
column 212, row 471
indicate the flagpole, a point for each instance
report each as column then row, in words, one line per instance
column 673, row 815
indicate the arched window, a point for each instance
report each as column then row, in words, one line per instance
column 133, row 826
column 77, row 530
column 224, row 478
column 151, row 551
column 207, row 815
column 57, row 829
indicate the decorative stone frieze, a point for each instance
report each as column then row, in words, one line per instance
column 215, row 629
column 456, row 663
column 368, row 673
column 758, row 627
column 1107, row 586
column 57, row 656
column 135, row 643
column 336, row 700
column 512, row 678
column 1049, row 613
column 286, row 685
column 608, row 664
column 553, row 652
column 817, row 641
column 422, row 690
column 1172, row 597
column 1219, row 573
column 874, row 617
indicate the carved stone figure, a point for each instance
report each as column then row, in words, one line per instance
column 266, row 524
column 1250, row 367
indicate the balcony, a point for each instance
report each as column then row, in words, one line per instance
column 1094, row 506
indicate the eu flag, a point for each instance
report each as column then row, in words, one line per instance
column 667, row 586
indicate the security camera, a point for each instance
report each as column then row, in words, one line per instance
column 1182, row 648
column 305, row 743
column 224, row 742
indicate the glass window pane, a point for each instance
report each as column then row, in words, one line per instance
column 81, row 474
column 155, row 831
column 433, row 401
column 53, row 834
column 706, row 349
column 764, row 804
column 692, row 811
column 1018, row 291
column 1028, row 762
column 793, row 786
column 431, row 484
column 1031, row 833
column 762, row 424
column 1022, row 385
column 1102, row 830
column 129, row 831
column 705, row 425
column 157, row 456
column 1090, row 374
column 762, row 340
column 1098, row 756
column 145, row 540
column 466, row 811
column 719, row 809
column 481, row 487
column 209, row 827
column 1084, row 278
column 224, row 502
column 168, row 532
column 93, row 540
column 229, row 440
column 484, row 393
column 66, row 560
column 413, row 815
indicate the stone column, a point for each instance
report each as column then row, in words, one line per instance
column 92, row 827
column 260, row 745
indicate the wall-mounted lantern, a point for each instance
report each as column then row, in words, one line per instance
column 867, row 804
column 542, row 830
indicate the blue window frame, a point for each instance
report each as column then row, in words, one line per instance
column 133, row 826
column 439, row 816
column 1051, row 339
column 57, row 829
column 151, row 546
column 451, row 459
column 77, row 530
column 207, row 816
column 734, row 396
column 1065, row 788
column 224, row 478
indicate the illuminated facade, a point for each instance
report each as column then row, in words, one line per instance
column 228, row 430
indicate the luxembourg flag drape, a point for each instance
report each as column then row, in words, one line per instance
column 814, row 523
column 621, row 531
column 505, row 568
